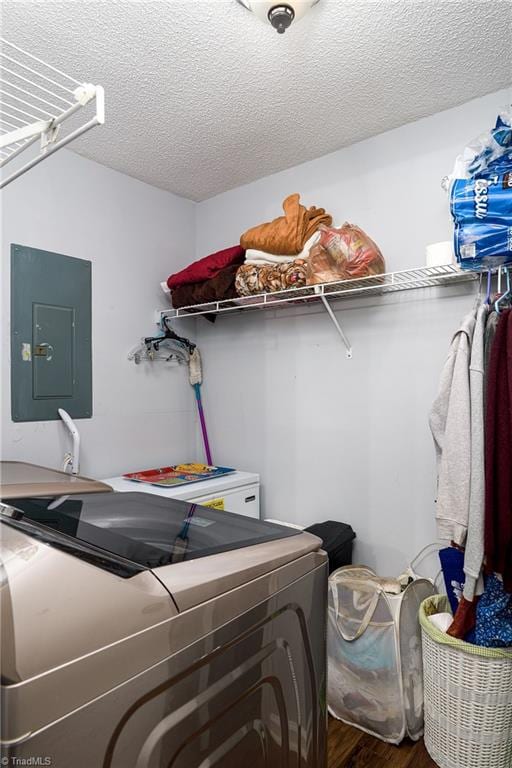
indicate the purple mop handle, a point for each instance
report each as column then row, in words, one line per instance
column 197, row 388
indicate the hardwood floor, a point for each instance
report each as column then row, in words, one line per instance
column 350, row 748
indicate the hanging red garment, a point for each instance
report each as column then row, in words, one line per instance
column 498, row 454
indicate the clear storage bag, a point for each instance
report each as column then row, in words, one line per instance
column 374, row 654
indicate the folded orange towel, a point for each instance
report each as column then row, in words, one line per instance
column 286, row 234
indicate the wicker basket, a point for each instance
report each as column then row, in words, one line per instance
column 468, row 698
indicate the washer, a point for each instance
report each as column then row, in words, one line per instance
column 142, row 631
column 18, row 478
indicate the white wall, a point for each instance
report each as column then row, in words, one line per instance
column 134, row 235
column 332, row 438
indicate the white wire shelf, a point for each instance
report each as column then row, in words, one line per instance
column 389, row 282
column 36, row 100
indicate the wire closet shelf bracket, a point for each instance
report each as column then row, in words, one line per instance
column 36, row 100
column 375, row 285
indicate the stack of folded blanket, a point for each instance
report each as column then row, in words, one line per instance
column 209, row 279
column 252, row 279
column 276, row 252
column 297, row 249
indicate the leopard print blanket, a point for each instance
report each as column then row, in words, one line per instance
column 252, row 279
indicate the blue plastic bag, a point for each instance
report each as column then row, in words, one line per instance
column 481, row 200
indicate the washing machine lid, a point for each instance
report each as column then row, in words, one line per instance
column 152, row 532
column 20, row 479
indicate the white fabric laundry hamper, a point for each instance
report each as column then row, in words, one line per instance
column 374, row 654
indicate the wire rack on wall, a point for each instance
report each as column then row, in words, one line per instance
column 36, row 100
column 377, row 285
column 407, row 279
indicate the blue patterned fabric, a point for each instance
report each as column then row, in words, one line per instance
column 494, row 616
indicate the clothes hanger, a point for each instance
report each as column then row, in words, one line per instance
column 174, row 347
column 506, row 295
column 478, row 299
column 148, row 351
column 162, row 348
column 489, row 287
column 168, row 333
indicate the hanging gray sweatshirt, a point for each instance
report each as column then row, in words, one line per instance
column 450, row 424
column 474, row 555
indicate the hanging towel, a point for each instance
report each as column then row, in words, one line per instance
column 206, row 268
column 261, row 258
column 498, row 454
column 474, row 554
column 450, row 424
column 287, row 234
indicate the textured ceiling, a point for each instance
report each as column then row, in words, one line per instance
column 203, row 97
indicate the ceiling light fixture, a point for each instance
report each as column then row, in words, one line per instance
column 280, row 15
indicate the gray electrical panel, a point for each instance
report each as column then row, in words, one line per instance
column 51, row 359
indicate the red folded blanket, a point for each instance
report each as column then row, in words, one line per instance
column 222, row 286
column 206, row 268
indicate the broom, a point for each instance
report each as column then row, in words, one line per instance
column 195, row 375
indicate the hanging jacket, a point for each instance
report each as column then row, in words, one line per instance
column 450, row 424
column 498, row 454
column 490, row 333
column 474, row 554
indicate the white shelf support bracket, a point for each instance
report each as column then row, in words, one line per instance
column 337, row 326
column 26, row 132
column 41, row 84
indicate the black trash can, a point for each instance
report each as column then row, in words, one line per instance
column 337, row 542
